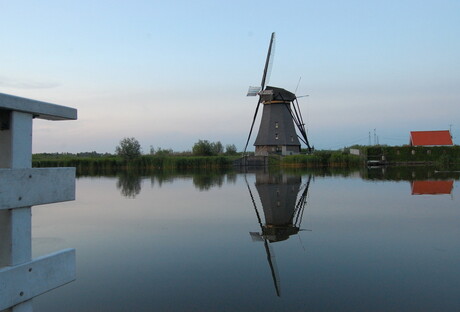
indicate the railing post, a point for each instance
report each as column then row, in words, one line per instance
column 18, row 285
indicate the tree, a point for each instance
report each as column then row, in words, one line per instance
column 206, row 148
column 202, row 148
column 129, row 148
column 230, row 149
column 217, row 148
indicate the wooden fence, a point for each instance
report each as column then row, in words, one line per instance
column 21, row 187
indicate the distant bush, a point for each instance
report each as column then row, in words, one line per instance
column 230, row 149
column 129, row 148
column 206, row 148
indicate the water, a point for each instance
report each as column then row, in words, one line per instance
column 358, row 242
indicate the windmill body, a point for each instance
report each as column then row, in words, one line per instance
column 277, row 134
column 280, row 117
column 278, row 195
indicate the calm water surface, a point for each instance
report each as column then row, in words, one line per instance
column 369, row 241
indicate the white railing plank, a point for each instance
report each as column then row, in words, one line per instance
column 23, row 282
column 38, row 109
column 37, row 186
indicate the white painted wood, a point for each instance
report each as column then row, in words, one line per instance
column 23, row 282
column 20, row 187
column 21, row 140
column 15, row 233
column 15, row 236
column 38, row 109
column 26, row 306
column 36, row 186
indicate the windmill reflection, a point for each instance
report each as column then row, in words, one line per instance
column 283, row 212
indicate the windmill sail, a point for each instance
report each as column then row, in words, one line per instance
column 265, row 78
column 268, row 62
column 253, row 91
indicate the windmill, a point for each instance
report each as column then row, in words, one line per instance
column 280, row 115
column 283, row 211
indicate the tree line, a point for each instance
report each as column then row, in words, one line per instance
column 130, row 148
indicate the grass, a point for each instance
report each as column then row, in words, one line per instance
column 322, row 159
column 110, row 164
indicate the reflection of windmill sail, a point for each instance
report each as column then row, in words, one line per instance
column 282, row 212
column 300, row 206
column 273, row 268
column 270, row 254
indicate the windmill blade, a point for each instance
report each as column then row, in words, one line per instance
column 298, row 83
column 298, row 121
column 268, row 62
column 265, row 78
column 252, row 125
column 273, row 268
column 253, row 91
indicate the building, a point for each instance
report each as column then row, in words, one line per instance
column 430, row 138
column 277, row 134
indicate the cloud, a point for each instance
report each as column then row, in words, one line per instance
column 26, row 84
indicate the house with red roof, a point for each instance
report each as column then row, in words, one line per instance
column 430, row 138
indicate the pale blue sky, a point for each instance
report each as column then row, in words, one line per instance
column 172, row 72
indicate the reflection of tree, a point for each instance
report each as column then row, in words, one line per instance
column 205, row 181
column 129, row 184
column 397, row 173
column 231, row 178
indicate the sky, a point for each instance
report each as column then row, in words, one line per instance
column 170, row 73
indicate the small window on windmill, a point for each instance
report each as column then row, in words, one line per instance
column 276, row 136
column 276, row 125
column 292, row 138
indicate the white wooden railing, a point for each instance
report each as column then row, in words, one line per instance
column 21, row 186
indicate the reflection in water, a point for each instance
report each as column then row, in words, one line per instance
column 432, row 187
column 282, row 211
column 396, row 173
column 204, row 182
column 375, row 248
column 129, row 184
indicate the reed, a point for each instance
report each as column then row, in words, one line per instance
column 322, row 159
column 112, row 164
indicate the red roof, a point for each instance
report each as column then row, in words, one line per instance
column 432, row 187
column 421, row 138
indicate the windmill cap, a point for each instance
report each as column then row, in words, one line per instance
column 280, row 94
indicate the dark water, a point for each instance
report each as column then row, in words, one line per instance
column 279, row 241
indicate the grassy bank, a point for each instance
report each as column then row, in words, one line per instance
column 434, row 155
column 88, row 163
column 112, row 164
column 322, row 159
